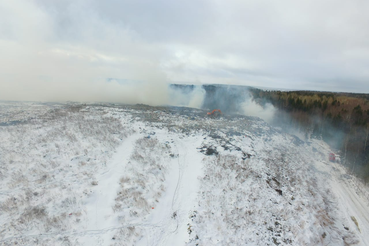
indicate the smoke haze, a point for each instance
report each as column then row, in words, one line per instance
column 265, row 112
column 42, row 59
column 186, row 95
column 230, row 99
column 66, row 50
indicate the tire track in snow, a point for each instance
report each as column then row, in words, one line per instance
column 173, row 221
column 352, row 205
column 76, row 233
column 182, row 184
column 349, row 203
column 180, row 175
column 158, row 232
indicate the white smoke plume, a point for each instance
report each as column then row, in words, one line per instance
column 42, row 59
column 265, row 112
column 193, row 97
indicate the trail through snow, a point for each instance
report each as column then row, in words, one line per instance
column 167, row 224
column 99, row 205
column 351, row 205
column 349, row 202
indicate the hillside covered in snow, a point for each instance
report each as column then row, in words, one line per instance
column 107, row 174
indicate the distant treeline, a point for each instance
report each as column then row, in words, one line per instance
column 341, row 119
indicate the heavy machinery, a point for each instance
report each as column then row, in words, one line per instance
column 334, row 158
column 215, row 113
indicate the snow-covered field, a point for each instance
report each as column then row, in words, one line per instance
column 75, row 174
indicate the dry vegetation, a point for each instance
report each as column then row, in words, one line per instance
column 276, row 193
column 45, row 163
column 140, row 191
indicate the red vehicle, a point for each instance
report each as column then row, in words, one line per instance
column 215, row 112
column 332, row 157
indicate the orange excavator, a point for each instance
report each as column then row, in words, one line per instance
column 215, row 112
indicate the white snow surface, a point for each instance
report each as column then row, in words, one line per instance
column 98, row 206
column 76, row 174
column 167, row 224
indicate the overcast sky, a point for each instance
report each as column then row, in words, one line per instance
column 54, row 49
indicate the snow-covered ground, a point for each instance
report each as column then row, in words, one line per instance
column 74, row 174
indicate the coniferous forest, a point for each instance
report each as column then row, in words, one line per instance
column 340, row 119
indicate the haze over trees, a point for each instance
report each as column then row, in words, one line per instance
column 340, row 119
